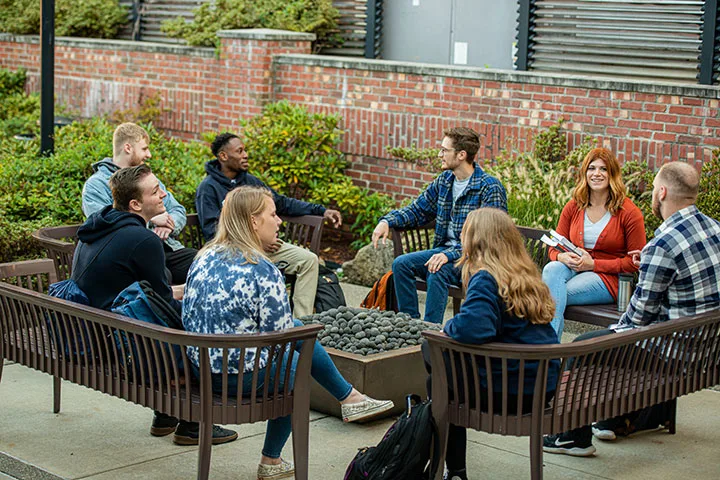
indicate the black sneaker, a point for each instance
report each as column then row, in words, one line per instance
column 570, row 443
column 188, row 433
column 605, row 429
column 163, row 425
column 461, row 475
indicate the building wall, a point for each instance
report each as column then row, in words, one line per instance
column 381, row 103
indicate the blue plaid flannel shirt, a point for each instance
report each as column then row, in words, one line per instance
column 679, row 271
column 436, row 202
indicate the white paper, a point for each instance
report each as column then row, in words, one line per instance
column 460, row 57
column 416, row 3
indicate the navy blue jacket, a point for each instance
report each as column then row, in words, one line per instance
column 215, row 186
column 115, row 250
column 484, row 318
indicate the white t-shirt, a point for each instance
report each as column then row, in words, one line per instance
column 593, row 230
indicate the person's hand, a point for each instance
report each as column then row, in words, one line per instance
column 163, row 232
column 586, row 263
column 272, row 248
column 163, row 220
column 178, row 291
column 569, row 259
column 333, row 216
column 380, row 232
column 436, row 262
column 635, row 254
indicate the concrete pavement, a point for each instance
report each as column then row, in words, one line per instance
column 101, row 438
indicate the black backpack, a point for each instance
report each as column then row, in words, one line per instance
column 329, row 294
column 404, row 451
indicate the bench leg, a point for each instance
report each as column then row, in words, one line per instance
column 205, row 450
column 301, row 439
column 536, row 456
column 56, row 394
column 456, row 305
column 672, row 416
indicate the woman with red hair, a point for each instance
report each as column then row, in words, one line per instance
column 605, row 224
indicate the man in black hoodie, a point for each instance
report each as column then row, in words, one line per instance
column 230, row 170
column 115, row 249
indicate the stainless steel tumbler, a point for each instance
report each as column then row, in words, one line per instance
column 625, row 289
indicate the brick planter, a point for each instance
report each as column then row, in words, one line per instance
column 388, row 375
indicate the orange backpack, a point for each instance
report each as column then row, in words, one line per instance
column 382, row 295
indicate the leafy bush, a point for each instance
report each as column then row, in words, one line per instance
column 314, row 16
column 297, row 154
column 426, row 157
column 16, row 242
column 709, row 198
column 551, row 144
column 89, row 18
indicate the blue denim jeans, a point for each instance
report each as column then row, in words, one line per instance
column 569, row 287
column 406, row 267
column 323, row 370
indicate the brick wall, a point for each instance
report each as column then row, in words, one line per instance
column 381, row 103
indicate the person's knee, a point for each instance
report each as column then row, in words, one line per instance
column 401, row 263
column 553, row 271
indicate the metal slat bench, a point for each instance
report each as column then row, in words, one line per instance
column 606, row 376
column 150, row 366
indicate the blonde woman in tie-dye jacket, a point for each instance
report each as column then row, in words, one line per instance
column 233, row 288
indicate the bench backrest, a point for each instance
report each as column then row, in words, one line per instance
column 407, row 240
column 143, row 363
column 607, row 376
column 60, row 242
column 30, row 274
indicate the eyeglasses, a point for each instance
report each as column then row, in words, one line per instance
column 444, row 150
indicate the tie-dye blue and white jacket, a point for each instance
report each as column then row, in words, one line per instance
column 226, row 294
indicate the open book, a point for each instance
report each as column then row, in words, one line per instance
column 560, row 243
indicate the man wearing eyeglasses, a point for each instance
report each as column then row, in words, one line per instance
column 461, row 188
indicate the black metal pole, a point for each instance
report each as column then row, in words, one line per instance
column 370, row 24
column 47, row 76
column 707, row 52
column 523, row 34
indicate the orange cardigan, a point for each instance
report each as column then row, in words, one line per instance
column 624, row 232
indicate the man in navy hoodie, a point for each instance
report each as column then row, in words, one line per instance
column 230, row 170
column 116, row 249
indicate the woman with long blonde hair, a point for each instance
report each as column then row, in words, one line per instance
column 505, row 301
column 606, row 225
column 233, row 288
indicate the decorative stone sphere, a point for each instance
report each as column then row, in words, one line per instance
column 364, row 332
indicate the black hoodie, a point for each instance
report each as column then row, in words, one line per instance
column 215, row 186
column 115, row 250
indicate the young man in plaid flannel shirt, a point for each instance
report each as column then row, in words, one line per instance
column 679, row 277
column 461, row 188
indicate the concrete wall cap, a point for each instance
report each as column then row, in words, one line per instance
column 266, row 34
column 104, row 44
column 513, row 76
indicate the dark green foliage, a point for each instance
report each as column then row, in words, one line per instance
column 709, row 198
column 297, row 154
column 313, row 16
column 88, row 18
column 551, row 144
column 16, row 242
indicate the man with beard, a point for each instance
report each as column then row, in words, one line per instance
column 228, row 171
column 679, row 277
column 130, row 148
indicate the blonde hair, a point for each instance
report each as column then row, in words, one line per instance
column 617, row 190
column 491, row 242
column 235, row 232
column 128, row 133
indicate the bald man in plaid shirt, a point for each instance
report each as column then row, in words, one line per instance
column 461, row 188
column 679, row 277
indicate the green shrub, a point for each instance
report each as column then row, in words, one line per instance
column 16, row 242
column 709, row 197
column 426, row 157
column 551, row 144
column 89, row 18
column 296, row 153
column 314, row 16
column 12, row 82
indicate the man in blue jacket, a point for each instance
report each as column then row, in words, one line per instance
column 461, row 188
column 130, row 148
column 115, row 249
column 230, row 170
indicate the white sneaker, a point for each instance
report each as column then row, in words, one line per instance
column 275, row 472
column 365, row 410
